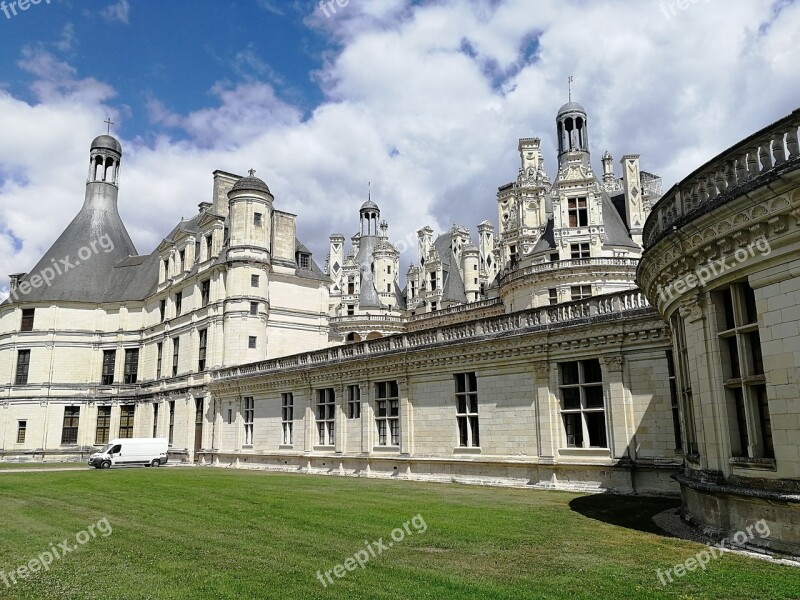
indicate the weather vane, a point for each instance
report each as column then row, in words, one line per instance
column 569, row 83
column 109, row 123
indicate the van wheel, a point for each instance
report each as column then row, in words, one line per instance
column 155, row 463
column 105, row 464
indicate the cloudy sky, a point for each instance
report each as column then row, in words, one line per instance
column 425, row 99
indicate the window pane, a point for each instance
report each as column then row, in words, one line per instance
column 571, row 398
column 591, row 371
column 596, row 425
column 473, row 421
column 594, row 396
column 462, row 431
column 473, row 403
column 573, row 429
column 461, row 404
column 569, row 373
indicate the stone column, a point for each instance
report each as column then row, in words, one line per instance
column 618, row 435
column 340, row 420
column 406, row 417
column 366, row 418
column 548, row 432
column 308, row 419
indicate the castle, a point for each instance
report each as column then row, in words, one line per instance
column 545, row 356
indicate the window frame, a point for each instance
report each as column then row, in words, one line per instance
column 287, row 417
column 70, row 424
column 583, row 436
column 22, row 370
column 467, row 407
column 325, row 416
column 27, row 319
column 249, row 412
column 127, row 417
column 387, row 413
column 102, row 430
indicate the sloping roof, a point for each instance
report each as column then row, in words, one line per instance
column 314, row 272
column 616, row 232
column 85, row 253
column 547, row 241
column 452, row 283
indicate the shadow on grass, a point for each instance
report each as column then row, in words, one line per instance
column 631, row 512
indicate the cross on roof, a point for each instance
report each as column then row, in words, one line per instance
column 109, row 123
column 569, row 83
column 252, row 172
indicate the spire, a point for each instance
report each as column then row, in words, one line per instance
column 569, row 84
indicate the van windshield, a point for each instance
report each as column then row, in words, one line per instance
column 106, row 449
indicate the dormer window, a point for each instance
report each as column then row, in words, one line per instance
column 578, row 212
column 181, row 260
column 303, row 260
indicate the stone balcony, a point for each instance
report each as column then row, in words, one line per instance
column 764, row 156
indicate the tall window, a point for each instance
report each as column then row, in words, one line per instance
column 249, row 418
column 181, row 261
column 159, row 356
column 126, row 413
column 673, row 394
column 22, row 430
column 176, row 348
column 162, row 310
column 326, row 410
column 27, row 319
column 577, row 251
column 69, row 430
column 552, row 294
column 23, row 363
column 467, row 410
column 353, row 402
column 387, row 415
column 287, row 416
column 103, row 425
column 178, row 303
column 684, row 382
column 433, row 280
column 131, row 365
column 165, row 262
column 257, row 219
column 254, row 280
column 201, row 362
column 155, row 419
column 171, row 421
column 209, row 241
column 582, row 404
column 109, row 362
column 578, row 212
column 252, row 341
column 579, row 292
column 205, row 292
column 749, row 420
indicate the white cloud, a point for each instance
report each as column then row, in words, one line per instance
column 119, row 11
column 427, row 102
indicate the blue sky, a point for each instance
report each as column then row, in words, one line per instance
column 424, row 98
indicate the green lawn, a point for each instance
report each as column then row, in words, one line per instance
column 212, row 533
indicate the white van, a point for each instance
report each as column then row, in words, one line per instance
column 150, row 452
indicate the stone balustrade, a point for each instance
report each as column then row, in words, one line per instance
column 735, row 171
column 549, row 317
column 562, row 265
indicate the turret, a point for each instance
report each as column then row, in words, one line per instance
column 573, row 132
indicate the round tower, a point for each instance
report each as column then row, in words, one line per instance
column 573, row 131
column 370, row 214
column 102, row 183
column 249, row 265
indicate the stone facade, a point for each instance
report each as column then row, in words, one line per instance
column 721, row 265
column 113, row 332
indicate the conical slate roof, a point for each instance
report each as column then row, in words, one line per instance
column 79, row 265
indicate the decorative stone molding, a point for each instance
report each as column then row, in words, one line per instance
column 612, row 363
